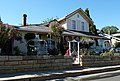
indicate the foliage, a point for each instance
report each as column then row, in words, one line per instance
column 18, row 36
column 93, row 29
column 86, row 42
column 32, row 51
column 56, row 31
column 110, row 29
column 17, row 50
column 87, row 52
column 53, row 51
column 90, row 52
column 29, row 36
column 7, row 32
column 87, row 12
column 107, row 53
column 46, row 21
column 117, row 44
column 7, row 35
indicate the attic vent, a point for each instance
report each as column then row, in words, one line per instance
column 77, row 15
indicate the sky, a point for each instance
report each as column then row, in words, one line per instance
column 103, row 12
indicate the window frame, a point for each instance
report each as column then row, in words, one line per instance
column 82, row 26
column 74, row 24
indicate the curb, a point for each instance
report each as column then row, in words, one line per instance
column 61, row 74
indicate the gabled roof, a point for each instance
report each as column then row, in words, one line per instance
column 81, row 12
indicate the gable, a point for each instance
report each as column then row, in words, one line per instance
column 81, row 12
column 77, row 16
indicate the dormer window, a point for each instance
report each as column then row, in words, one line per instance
column 73, row 24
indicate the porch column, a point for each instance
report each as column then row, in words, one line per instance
column 69, row 47
column 78, row 53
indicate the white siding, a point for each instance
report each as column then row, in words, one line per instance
column 86, row 27
column 69, row 24
column 64, row 25
column 78, row 19
column 101, row 43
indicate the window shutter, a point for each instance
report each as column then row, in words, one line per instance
column 82, row 26
column 78, row 25
column 69, row 24
column 86, row 27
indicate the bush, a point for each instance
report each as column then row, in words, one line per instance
column 107, row 53
column 117, row 44
column 53, row 51
column 87, row 52
column 90, row 52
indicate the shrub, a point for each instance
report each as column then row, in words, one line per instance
column 87, row 52
column 117, row 44
column 107, row 53
column 90, row 52
column 53, row 51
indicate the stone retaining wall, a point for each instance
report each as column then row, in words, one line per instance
column 12, row 64
column 99, row 60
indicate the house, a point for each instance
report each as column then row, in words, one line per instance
column 115, row 38
column 76, row 24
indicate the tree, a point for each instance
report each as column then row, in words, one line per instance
column 56, row 32
column 87, row 12
column 86, row 42
column 117, row 44
column 93, row 29
column 46, row 21
column 110, row 29
column 7, row 34
column 29, row 36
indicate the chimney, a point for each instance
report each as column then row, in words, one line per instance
column 24, row 21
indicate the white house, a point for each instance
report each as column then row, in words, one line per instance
column 115, row 38
column 77, row 20
column 76, row 24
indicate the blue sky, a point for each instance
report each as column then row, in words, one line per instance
column 103, row 12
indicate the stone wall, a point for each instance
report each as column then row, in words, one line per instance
column 12, row 64
column 99, row 60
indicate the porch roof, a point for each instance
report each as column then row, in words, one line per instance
column 81, row 33
column 45, row 29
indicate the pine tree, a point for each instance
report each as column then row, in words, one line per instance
column 87, row 12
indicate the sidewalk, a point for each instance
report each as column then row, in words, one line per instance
column 36, row 76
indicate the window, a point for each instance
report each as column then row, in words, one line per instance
column 77, row 15
column 82, row 26
column 73, row 24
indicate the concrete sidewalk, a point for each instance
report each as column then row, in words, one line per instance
column 37, row 76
